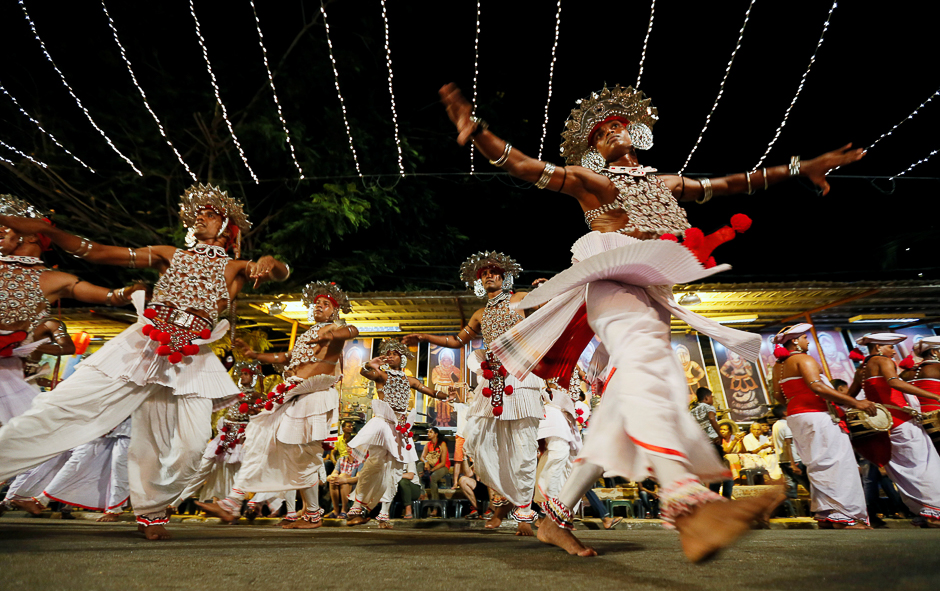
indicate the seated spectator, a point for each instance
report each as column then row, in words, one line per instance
column 648, row 491
column 345, row 474
column 731, row 446
column 760, row 453
column 409, row 489
column 474, row 490
column 436, row 461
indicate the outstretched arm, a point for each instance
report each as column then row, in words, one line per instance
column 57, row 285
column 250, row 353
column 267, row 268
column 56, row 331
column 815, row 169
column 466, row 334
column 416, row 385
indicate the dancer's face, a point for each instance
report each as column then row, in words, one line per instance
column 393, row 358
column 492, row 279
column 323, row 310
column 612, row 140
column 207, row 225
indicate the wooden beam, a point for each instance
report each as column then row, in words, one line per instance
column 802, row 315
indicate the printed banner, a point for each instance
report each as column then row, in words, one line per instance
column 742, row 383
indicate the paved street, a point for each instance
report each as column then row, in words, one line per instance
column 81, row 554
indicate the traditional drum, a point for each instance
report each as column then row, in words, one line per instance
column 931, row 423
column 861, row 424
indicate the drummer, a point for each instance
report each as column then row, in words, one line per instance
column 838, row 499
column 926, row 374
column 914, row 465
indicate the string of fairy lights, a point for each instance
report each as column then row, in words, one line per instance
column 215, row 88
column 799, row 88
column 721, row 88
column 649, row 29
column 42, row 130
column 551, row 75
column 339, row 94
column 143, row 94
column 277, row 103
column 393, row 105
column 78, row 101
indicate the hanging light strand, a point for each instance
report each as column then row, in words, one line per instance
column 280, row 114
column 215, row 88
column 388, row 59
column 72, row 92
column 649, row 30
column 23, row 154
column 36, row 123
column 721, row 89
column 911, row 167
column 799, row 88
column 339, row 94
column 476, row 73
column 10, row 162
column 551, row 75
column 143, row 95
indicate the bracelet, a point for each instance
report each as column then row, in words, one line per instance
column 546, row 176
column 481, row 126
column 288, row 271
column 794, row 165
column 499, row 162
column 132, row 258
column 109, row 297
column 707, row 188
column 750, row 189
column 365, row 366
column 84, row 246
column 764, row 172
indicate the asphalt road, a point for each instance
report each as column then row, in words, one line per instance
column 54, row 554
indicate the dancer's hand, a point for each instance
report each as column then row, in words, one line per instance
column 244, row 349
column 539, row 281
column 413, row 339
column 866, row 406
column 261, row 270
column 459, row 110
column 817, row 168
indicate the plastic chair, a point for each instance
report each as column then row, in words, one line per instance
column 629, row 510
column 439, row 504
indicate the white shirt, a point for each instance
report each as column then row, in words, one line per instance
column 411, row 467
column 781, row 432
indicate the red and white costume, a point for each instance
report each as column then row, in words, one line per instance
column 932, row 385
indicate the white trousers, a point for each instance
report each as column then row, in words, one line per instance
column 505, row 455
column 915, row 468
column 837, row 493
column 274, row 501
column 556, row 466
column 95, row 477
column 212, row 478
column 379, row 474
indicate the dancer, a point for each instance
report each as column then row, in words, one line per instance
column 284, row 443
column 159, row 370
column 838, row 499
column 926, row 374
column 560, row 435
column 914, row 465
column 642, row 424
column 503, row 423
column 387, row 437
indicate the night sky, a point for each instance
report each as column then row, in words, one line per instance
column 872, row 70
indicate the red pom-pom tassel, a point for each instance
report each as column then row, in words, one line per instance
column 740, row 222
column 856, row 355
column 150, row 313
column 165, row 338
column 669, row 237
column 907, row 362
column 269, row 405
column 407, row 426
column 508, row 390
column 579, row 412
column 485, row 365
column 693, row 238
column 503, row 372
column 154, row 335
column 408, row 447
column 487, row 374
column 243, row 407
column 241, row 429
column 780, row 352
column 580, row 420
column 497, row 410
column 163, row 350
column 219, row 450
column 147, row 329
column 190, row 350
column 487, row 392
column 175, row 357
column 205, row 334
column 411, row 434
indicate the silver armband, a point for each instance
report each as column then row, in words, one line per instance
column 794, row 165
column 546, row 175
column 707, row 188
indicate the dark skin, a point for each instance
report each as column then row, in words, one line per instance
column 613, row 142
column 882, row 364
column 927, row 370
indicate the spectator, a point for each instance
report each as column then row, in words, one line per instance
column 787, row 458
column 760, row 454
column 706, row 415
column 409, row 487
column 436, row 461
column 345, row 473
column 648, row 490
column 474, row 490
column 731, row 445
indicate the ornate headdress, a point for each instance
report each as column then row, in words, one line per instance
column 330, row 291
column 471, row 269
column 252, row 367
column 199, row 197
column 623, row 103
column 10, row 205
column 394, row 344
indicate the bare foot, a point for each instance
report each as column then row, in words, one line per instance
column 107, row 518
column 285, row 523
column 357, row 519
column 170, row 510
column 550, row 533
column 31, row 506
column 303, row 524
column 524, row 529
column 498, row 515
column 215, row 510
column 853, row 526
column 713, row 526
column 386, row 525
column 154, row 532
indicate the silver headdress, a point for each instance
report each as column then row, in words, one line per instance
column 254, row 367
column 199, row 197
column 401, row 348
column 330, row 291
column 472, row 267
column 10, row 205
column 616, row 101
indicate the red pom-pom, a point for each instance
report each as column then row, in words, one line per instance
column 243, row 407
column 710, row 263
column 780, row 352
column 147, row 329
column 580, row 420
column 508, row 390
column 271, row 395
column 503, row 372
column 856, row 355
column 907, row 362
column 579, row 411
column 189, row 350
column 268, row 405
column 205, row 334
column 219, row 450
column 669, row 237
column 154, row 335
column 408, row 447
column 407, row 426
column 740, row 222
column 258, row 401
column 399, row 428
column 232, row 444
column 224, row 429
column 487, row 392
column 175, row 357
column 242, row 395
column 281, row 388
column 241, row 429
column 164, row 350
column 165, row 338
column 411, row 434
column 722, row 235
column 693, row 238
column 150, row 313
column 485, row 365
column 497, row 410
column 487, row 374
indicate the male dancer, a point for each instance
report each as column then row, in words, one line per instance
column 560, row 432
column 502, row 428
column 284, row 443
column 642, row 424
column 926, row 374
column 387, row 437
column 159, row 370
column 838, row 499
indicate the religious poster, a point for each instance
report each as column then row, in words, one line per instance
column 743, row 385
column 445, row 371
column 356, row 391
column 689, row 353
column 836, row 353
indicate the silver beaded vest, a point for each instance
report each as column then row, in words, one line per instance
column 649, row 203
column 303, row 348
column 498, row 317
column 233, row 416
column 21, row 297
column 397, row 390
column 194, row 280
column 574, row 387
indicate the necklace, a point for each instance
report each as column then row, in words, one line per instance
column 210, row 251
column 630, row 170
column 21, row 260
column 502, row 297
